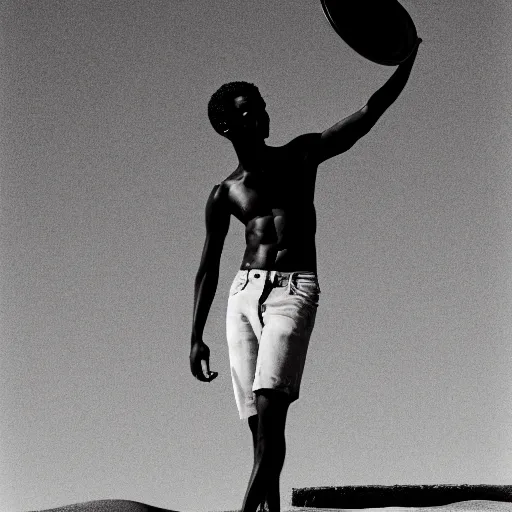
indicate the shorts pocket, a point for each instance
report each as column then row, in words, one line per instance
column 239, row 283
column 306, row 288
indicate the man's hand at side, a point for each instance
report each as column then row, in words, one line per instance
column 200, row 362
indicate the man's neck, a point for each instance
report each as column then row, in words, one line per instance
column 251, row 156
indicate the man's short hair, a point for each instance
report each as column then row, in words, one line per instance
column 222, row 100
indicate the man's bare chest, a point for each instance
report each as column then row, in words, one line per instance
column 261, row 196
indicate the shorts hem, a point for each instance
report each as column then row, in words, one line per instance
column 292, row 395
column 247, row 413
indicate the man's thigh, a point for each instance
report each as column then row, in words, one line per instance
column 288, row 323
column 242, row 340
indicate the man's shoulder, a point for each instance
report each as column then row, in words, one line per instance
column 304, row 145
column 222, row 189
column 220, row 192
column 304, row 141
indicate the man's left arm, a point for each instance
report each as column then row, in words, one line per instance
column 343, row 135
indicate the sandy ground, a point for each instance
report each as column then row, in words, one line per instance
column 133, row 506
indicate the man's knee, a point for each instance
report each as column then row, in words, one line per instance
column 253, row 425
column 272, row 409
column 272, row 398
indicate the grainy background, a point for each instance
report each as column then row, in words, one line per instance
column 107, row 158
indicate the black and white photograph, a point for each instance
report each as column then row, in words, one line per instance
column 256, row 256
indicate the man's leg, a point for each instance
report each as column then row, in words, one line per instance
column 272, row 499
column 269, row 450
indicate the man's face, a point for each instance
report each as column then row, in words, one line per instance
column 248, row 119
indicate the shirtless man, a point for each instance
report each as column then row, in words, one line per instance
column 273, row 299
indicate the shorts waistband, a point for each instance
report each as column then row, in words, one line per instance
column 276, row 277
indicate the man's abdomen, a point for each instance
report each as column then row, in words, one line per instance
column 300, row 256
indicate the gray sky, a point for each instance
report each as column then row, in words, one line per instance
column 107, row 158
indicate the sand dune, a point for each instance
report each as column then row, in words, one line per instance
column 108, row 506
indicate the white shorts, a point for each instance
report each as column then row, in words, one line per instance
column 269, row 320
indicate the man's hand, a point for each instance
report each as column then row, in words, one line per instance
column 200, row 362
column 414, row 50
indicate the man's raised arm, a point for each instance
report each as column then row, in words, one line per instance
column 217, row 225
column 344, row 134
